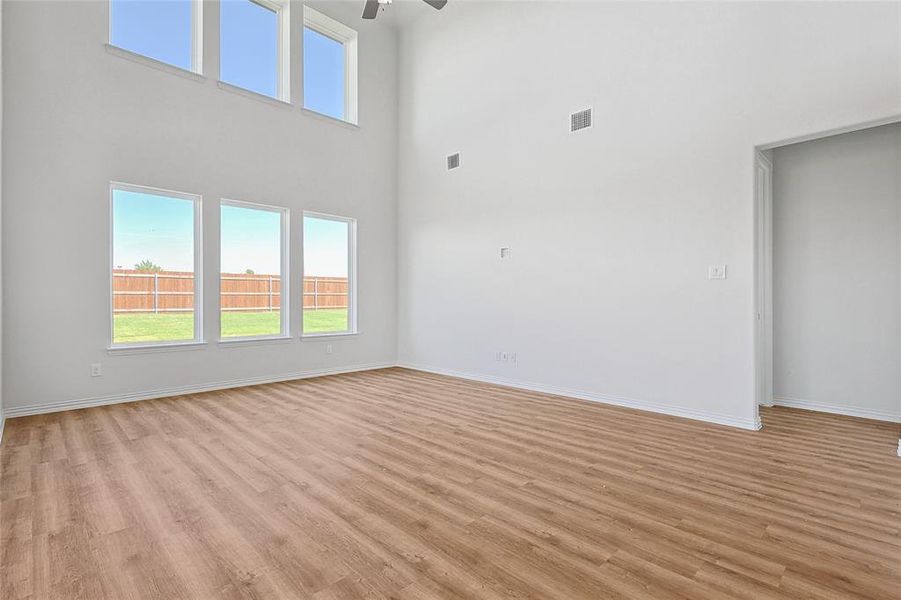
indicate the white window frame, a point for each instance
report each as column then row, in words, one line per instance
column 196, row 38
column 285, row 280
column 198, row 264
column 282, row 10
column 339, row 32
column 351, row 275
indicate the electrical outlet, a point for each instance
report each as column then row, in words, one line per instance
column 716, row 272
column 506, row 252
column 328, row 348
column 513, row 357
column 96, row 370
column 504, row 356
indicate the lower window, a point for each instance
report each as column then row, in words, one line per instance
column 252, row 268
column 329, row 269
column 155, row 255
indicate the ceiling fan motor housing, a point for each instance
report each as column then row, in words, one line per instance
column 371, row 9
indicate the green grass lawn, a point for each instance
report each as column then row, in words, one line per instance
column 148, row 327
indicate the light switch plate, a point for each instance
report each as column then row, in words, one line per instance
column 716, row 272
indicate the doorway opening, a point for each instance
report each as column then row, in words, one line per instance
column 828, row 272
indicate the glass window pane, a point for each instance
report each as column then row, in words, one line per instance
column 153, row 268
column 323, row 74
column 248, row 45
column 251, row 272
column 325, row 270
column 160, row 30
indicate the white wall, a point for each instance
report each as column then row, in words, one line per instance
column 79, row 116
column 623, row 218
column 2, row 422
column 837, row 273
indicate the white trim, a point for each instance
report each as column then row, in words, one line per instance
column 258, row 340
column 763, row 242
column 310, row 337
column 50, row 407
column 199, row 271
column 197, row 200
column 282, row 8
column 197, row 36
column 352, row 328
column 284, row 52
column 698, row 415
column 3, row 426
column 150, row 347
column 899, row 444
column 849, row 411
column 309, row 112
column 284, row 276
column 240, row 91
column 831, row 132
column 329, row 27
column 153, row 63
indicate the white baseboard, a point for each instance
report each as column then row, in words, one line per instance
column 50, row 407
column 698, row 415
column 850, row 411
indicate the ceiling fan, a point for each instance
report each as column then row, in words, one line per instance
column 371, row 10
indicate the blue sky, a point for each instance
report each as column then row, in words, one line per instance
column 160, row 30
column 250, row 239
column 248, row 42
column 323, row 74
column 161, row 229
column 324, row 247
column 155, row 228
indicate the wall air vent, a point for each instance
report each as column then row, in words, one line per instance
column 580, row 120
column 453, row 161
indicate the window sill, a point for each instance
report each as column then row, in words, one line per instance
column 236, row 89
column 240, row 342
column 328, row 118
column 147, row 348
column 153, row 63
column 310, row 337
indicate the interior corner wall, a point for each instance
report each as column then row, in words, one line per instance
column 612, row 229
column 837, row 273
column 80, row 116
column 2, row 418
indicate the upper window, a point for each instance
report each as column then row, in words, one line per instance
column 155, row 256
column 329, row 66
column 253, row 265
column 253, row 43
column 329, row 275
column 165, row 31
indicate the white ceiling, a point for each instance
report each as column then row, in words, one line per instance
column 399, row 14
column 402, row 13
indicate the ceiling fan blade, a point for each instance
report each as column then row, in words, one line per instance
column 437, row 4
column 371, row 10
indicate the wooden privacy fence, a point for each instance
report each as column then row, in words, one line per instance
column 324, row 292
column 173, row 291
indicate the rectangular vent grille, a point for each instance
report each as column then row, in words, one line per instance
column 453, row 161
column 580, row 120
